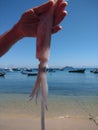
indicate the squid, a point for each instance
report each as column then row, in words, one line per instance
column 43, row 54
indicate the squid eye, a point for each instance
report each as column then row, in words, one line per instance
column 45, row 69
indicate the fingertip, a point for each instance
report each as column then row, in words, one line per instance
column 60, row 27
column 65, row 13
column 56, row 29
column 66, row 3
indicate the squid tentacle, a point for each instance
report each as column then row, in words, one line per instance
column 41, row 81
column 36, row 87
column 44, row 89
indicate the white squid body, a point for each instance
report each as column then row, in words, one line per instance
column 43, row 53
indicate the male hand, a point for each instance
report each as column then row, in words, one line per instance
column 27, row 25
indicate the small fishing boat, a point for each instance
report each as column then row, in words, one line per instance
column 2, row 73
column 77, row 71
column 94, row 71
column 23, row 72
column 29, row 73
column 32, row 74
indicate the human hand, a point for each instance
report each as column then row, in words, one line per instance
column 27, row 25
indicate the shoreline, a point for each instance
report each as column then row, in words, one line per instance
column 58, row 107
column 18, row 115
column 28, row 123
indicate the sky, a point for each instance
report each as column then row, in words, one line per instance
column 75, row 45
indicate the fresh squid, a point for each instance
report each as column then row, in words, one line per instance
column 42, row 54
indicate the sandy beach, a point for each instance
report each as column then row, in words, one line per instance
column 29, row 123
column 16, row 113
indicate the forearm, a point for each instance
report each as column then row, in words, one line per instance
column 8, row 39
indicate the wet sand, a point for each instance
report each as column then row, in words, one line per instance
column 64, row 113
column 28, row 123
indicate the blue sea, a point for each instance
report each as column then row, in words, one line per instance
column 70, row 94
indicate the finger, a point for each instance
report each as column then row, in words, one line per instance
column 60, row 17
column 59, row 2
column 43, row 8
column 30, row 16
column 55, row 29
column 60, row 8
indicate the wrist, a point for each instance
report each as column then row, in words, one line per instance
column 8, row 39
column 17, row 32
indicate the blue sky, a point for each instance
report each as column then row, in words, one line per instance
column 75, row 45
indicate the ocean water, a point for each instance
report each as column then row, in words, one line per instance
column 70, row 94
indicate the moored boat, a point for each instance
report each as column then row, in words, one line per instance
column 77, row 71
column 2, row 73
column 94, row 71
column 32, row 74
column 29, row 73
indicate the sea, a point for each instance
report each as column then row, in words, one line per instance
column 71, row 95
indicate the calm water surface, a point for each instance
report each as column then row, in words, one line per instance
column 70, row 94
